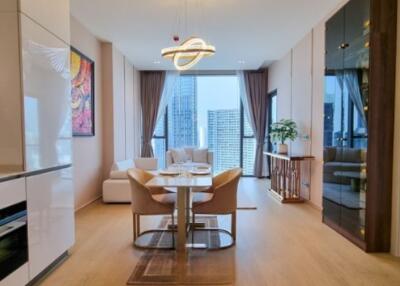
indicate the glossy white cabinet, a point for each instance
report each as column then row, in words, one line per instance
column 51, row 229
column 46, row 90
column 12, row 192
column 18, row 278
column 52, row 14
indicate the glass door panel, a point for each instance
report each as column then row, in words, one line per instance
column 333, row 120
column 355, row 95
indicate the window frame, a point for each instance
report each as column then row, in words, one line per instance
column 241, row 110
column 270, row 95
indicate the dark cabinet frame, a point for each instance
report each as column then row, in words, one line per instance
column 382, row 64
column 381, row 124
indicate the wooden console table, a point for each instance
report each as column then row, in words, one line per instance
column 285, row 172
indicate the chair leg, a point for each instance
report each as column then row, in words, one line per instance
column 193, row 226
column 173, row 230
column 134, row 227
column 138, row 225
column 233, row 225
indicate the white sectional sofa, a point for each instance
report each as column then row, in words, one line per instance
column 190, row 157
column 117, row 189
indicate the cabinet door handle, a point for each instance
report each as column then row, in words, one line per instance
column 10, row 227
column 343, row 46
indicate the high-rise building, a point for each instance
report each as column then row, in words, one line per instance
column 224, row 141
column 249, row 148
column 224, row 138
column 182, row 114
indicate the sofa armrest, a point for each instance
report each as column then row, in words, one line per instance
column 210, row 158
column 146, row 163
column 168, row 158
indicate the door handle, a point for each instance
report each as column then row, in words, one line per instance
column 10, row 227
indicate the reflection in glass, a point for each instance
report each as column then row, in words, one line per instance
column 346, row 119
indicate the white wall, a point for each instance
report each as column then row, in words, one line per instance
column 88, row 151
column 298, row 95
column 121, row 109
column 117, row 110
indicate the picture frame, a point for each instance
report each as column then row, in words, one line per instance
column 82, row 94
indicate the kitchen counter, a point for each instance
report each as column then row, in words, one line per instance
column 7, row 176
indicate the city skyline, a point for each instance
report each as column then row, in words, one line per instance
column 194, row 109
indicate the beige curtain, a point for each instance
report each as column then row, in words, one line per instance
column 256, row 100
column 151, row 88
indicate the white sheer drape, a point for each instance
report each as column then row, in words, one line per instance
column 350, row 80
column 171, row 79
column 243, row 98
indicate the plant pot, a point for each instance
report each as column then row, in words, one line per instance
column 282, row 149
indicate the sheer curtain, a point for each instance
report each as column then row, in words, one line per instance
column 253, row 93
column 171, row 79
column 353, row 86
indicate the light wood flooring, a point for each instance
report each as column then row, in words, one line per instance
column 276, row 245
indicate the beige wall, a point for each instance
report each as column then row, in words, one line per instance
column 299, row 91
column 88, row 151
column 121, row 108
column 11, row 149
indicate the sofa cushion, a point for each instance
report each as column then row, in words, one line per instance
column 200, row 155
column 179, row 155
column 331, row 167
column 351, row 155
column 118, row 174
column 122, row 165
column 189, row 153
column 329, row 154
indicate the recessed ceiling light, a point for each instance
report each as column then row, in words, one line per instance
column 156, row 62
column 241, row 62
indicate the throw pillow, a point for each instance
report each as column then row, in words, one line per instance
column 189, row 153
column 200, row 155
column 179, row 155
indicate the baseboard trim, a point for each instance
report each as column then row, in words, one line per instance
column 313, row 205
column 49, row 269
column 88, row 203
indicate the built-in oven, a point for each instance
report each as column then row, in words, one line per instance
column 13, row 238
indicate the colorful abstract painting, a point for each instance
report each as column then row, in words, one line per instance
column 82, row 74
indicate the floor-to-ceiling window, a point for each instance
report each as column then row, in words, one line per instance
column 205, row 111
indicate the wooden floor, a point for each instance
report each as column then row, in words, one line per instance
column 276, row 245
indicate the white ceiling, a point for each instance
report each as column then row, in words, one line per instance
column 254, row 31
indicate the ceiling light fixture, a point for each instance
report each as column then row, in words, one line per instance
column 189, row 52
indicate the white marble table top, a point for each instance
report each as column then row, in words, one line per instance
column 186, row 180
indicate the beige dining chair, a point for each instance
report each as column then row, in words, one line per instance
column 144, row 202
column 221, row 199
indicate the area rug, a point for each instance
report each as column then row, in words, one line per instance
column 200, row 267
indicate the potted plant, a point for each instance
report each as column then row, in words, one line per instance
column 281, row 131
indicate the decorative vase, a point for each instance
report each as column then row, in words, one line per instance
column 282, row 149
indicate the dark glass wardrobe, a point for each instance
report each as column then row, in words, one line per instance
column 347, row 108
